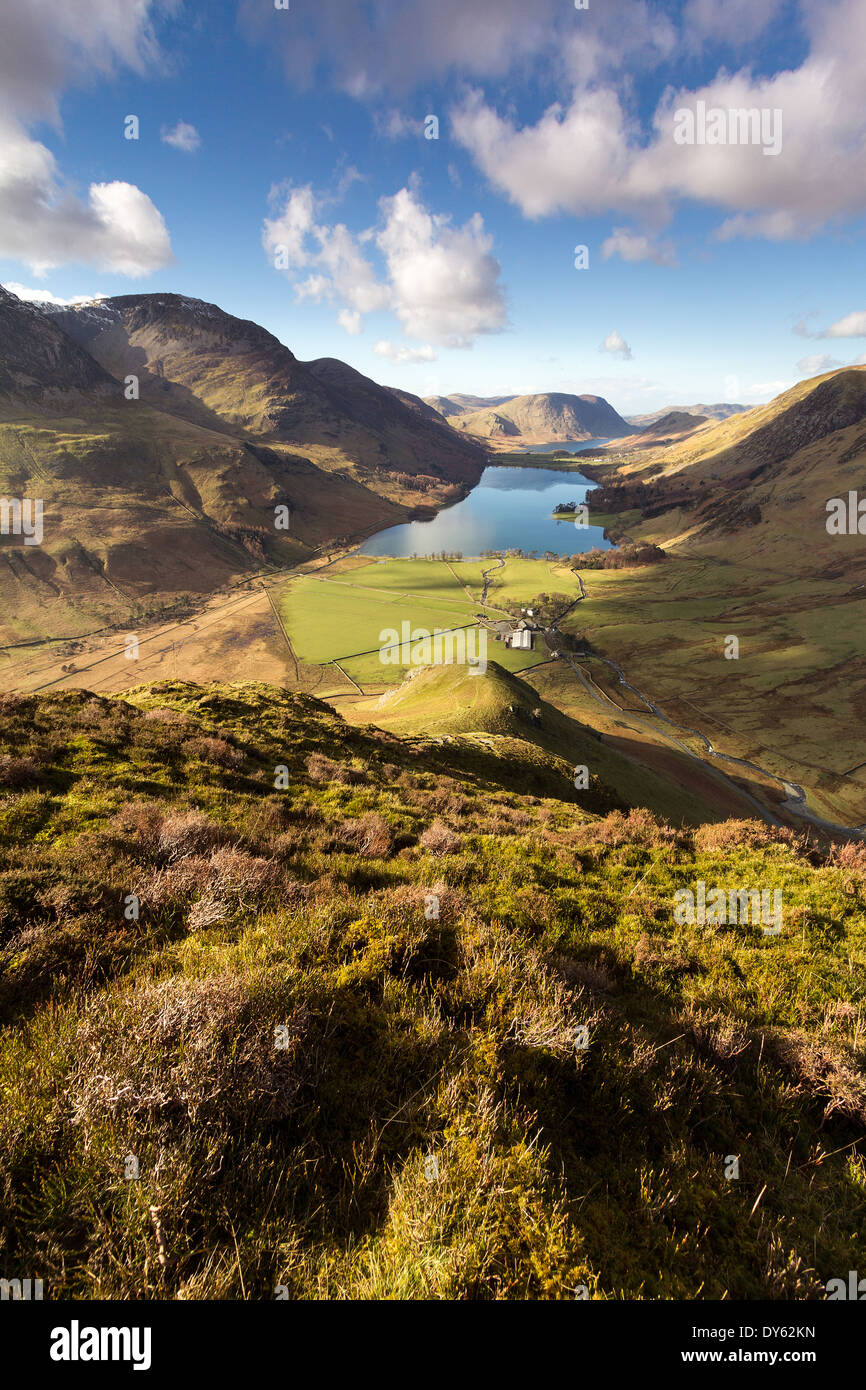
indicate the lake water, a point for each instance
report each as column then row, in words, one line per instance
column 576, row 447
column 509, row 509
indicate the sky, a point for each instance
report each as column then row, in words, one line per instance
column 403, row 184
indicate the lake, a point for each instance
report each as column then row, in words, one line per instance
column 577, row 447
column 509, row 509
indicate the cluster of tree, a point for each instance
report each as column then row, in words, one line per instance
column 417, row 482
column 623, row 557
column 564, row 508
column 439, row 555
column 251, row 540
column 649, row 498
column 546, row 607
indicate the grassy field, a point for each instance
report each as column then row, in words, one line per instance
column 339, row 618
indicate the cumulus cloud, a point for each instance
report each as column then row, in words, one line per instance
column 630, row 246
column 588, row 154
column 615, row 344
column 444, row 280
column 851, row 326
column 401, row 352
column 43, row 224
column 762, row 391
column 441, row 281
column 46, row 297
column 341, row 41
column 816, row 364
column 182, row 136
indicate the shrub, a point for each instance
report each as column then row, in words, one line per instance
column 185, row 833
column 215, row 750
column 371, row 835
column 439, row 838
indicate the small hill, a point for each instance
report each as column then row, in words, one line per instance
column 449, row 701
column 721, row 411
column 667, row 429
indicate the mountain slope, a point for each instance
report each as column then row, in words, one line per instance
column 542, row 419
column 151, row 503
column 403, row 1030
column 740, row 508
column 195, row 360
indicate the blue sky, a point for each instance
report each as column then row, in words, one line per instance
column 297, row 188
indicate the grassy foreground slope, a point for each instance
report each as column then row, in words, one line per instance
column 428, row 926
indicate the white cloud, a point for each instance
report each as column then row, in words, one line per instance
column 444, row 280
column 46, row 297
column 400, row 352
column 816, row 364
column 381, row 46
column 589, row 154
column 737, row 21
column 762, row 391
column 43, row 224
column 183, row 136
column 395, row 125
column 630, row 246
column 117, row 228
column 851, row 326
column 441, row 282
column 615, row 344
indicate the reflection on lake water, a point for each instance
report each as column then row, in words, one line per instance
column 509, row 509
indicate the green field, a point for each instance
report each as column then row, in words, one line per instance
column 340, row 617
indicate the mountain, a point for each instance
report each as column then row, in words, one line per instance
column 150, row 503
column 664, row 430
column 40, row 365
column 199, row 362
column 421, row 407
column 775, row 466
column 458, row 404
column 540, row 419
column 721, row 411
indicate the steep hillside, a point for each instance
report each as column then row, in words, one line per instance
column 40, row 366
column 753, row 634
column 451, row 703
column 667, row 429
column 197, row 361
column 293, row 1009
